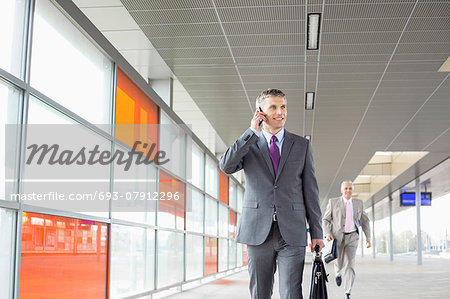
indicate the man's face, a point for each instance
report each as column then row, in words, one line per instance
column 276, row 110
column 347, row 191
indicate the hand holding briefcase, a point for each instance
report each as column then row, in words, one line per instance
column 330, row 251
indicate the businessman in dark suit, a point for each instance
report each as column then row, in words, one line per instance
column 281, row 194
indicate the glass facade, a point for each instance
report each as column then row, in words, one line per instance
column 132, row 260
column 152, row 226
column 6, row 252
column 67, row 67
column 9, row 115
column 12, row 35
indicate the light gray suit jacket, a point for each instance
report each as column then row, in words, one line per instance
column 293, row 192
column 334, row 218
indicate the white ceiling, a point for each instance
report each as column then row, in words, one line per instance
column 375, row 74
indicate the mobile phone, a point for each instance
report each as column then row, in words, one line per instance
column 260, row 121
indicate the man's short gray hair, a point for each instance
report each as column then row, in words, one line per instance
column 271, row 92
column 345, row 183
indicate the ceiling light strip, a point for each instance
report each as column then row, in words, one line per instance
column 370, row 101
column 317, row 73
column 252, row 109
column 417, row 112
column 313, row 31
column 309, row 100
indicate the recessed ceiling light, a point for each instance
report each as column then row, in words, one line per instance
column 446, row 66
column 313, row 31
column 309, row 100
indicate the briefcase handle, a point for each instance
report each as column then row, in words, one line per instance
column 317, row 250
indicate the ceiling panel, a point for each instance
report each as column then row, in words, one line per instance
column 190, row 42
column 259, row 13
column 375, row 75
column 265, row 27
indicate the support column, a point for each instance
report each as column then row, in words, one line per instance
column 419, row 230
column 374, row 244
column 391, row 238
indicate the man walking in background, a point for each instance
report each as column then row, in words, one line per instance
column 340, row 222
column 281, row 192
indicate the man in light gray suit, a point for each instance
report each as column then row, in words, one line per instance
column 340, row 222
column 281, row 194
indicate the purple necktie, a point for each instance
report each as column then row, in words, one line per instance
column 274, row 153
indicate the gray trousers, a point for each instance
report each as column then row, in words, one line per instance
column 344, row 265
column 262, row 264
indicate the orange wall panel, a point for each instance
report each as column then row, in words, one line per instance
column 63, row 257
column 223, row 187
column 137, row 116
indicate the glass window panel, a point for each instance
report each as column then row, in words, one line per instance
column 61, row 254
column 194, row 256
column 12, row 35
column 68, row 67
column 233, row 195
column 223, row 221
column 223, row 188
column 232, row 225
column 210, row 256
column 198, row 167
column 211, row 177
column 137, row 192
column 47, row 126
column 9, row 114
column 239, row 255
column 210, row 216
column 137, row 116
column 171, row 202
column 240, row 199
column 132, row 260
column 194, row 211
column 170, row 258
column 173, row 143
column 223, row 254
column 231, row 254
column 6, row 252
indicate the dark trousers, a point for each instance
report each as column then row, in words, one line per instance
column 262, row 264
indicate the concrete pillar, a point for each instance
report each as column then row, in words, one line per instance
column 374, row 244
column 391, row 238
column 419, row 230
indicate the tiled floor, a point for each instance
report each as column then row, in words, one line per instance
column 375, row 278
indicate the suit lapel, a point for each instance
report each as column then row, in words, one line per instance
column 285, row 149
column 262, row 144
column 341, row 207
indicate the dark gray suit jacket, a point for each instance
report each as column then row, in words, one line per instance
column 293, row 192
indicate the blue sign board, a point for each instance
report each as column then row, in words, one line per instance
column 409, row 199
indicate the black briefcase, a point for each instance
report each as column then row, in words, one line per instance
column 319, row 278
column 330, row 251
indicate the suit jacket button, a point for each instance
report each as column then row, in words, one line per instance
column 275, row 187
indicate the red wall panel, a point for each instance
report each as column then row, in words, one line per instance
column 63, row 257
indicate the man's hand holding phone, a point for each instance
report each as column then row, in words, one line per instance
column 257, row 119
